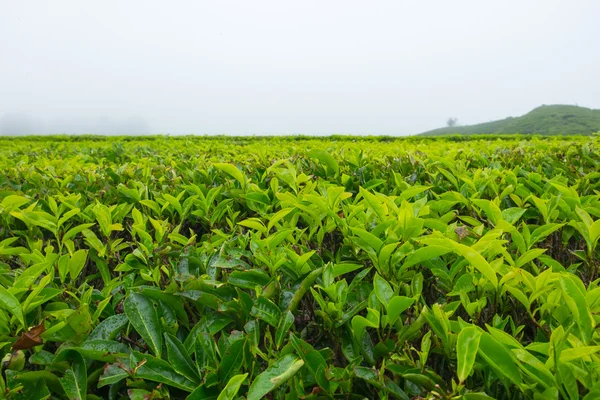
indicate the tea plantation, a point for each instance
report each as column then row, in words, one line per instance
column 299, row 268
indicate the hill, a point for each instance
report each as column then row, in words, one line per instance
column 544, row 120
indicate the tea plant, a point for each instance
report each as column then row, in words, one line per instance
column 299, row 268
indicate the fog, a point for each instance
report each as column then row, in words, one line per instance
column 288, row 67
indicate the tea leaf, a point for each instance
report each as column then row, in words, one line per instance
column 141, row 313
column 274, row 376
column 467, row 346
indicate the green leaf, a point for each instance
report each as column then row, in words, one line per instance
column 438, row 320
column 424, row 254
column 578, row 306
column 542, row 232
column 577, row 353
column 512, row 215
column 376, row 204
column 232, row 359
column 5, row 250
column 499, row 358
column 385, row 253
column 413, row 191
column 13, row 201
column 397, row 305
column 360, row 323
column 170, row 299
column 76, row 263
column 254, row 223
column 368, row 238
column 383, row 290
column 29, row 385
column 37, row 218
column 74, row 382
column 11, row 304
column 478, row 262
column 109, row 328
column 143, row 316
column 102, row 350
column 206, row 353
column 203, row 392
column 278, row 216
column 274, row 376
column 529, row 256
column 490, row 208
column 112, row 374
column 75, row 230
column 476, row 396
column 313, row 360
column 157, row 370
column 285, row 323
column 204, row 298
column 303, row 259
column 266, row 310
column 249, row 279
column 179, row 358
column 534, row 368
column 303, row 288
column 30, row 275
column 174, row 202
column 92, row 240
column 326, row 158
column 68, row 215
column 345, row 268
column 466, row 350
column 595, row 231
column 233, row 386
column 232, row 171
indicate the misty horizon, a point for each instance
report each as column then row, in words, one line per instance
column 21, row 124
column 266, row 68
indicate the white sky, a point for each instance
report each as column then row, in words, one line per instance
column 280, row 67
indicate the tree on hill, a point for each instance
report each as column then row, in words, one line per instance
column 451, row 122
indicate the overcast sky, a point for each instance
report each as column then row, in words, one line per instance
column 313, row 67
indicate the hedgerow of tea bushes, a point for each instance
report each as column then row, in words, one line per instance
column 299, row 268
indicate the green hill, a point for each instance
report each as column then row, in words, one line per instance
column 544, row 120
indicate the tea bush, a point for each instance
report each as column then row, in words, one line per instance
column 299, row 268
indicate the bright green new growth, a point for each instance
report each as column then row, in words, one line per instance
column 299, row 268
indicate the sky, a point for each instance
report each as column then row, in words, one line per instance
column 290, row 67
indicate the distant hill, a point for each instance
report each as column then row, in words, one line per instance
column 544, row 120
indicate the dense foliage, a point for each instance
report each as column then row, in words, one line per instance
column 544, row 120
column 198, row 268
